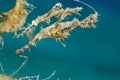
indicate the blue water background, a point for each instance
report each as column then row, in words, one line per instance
column 90, row 54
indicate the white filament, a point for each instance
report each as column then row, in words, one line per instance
column 87, row 5
column 22, row 65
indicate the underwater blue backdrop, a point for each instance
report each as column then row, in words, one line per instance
column 90, row 54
